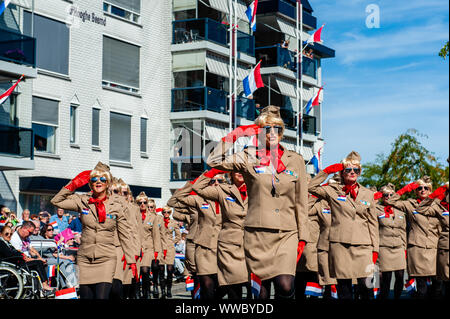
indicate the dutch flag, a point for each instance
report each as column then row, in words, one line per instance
column 376, row 291
column 253, row 81
column 179, row 256
column 410, row 286
column 334, row 293
column 189, row 284
column 326, row 211
column 314, row 101
column 382, row 216
column 3, row 7
column 251, row 14
column 256, row 285
column 69, row 293
column 197, row 292
column 342, row 198
column 316, row 36
column 6, row 95
column 205, row 206
column 313, row 289
column 445, row 213
column 231, row 199
column 54, row 225
column 260, row 169
column 51, row 271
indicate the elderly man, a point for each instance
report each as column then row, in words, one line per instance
column 36, row 233
column 61, row 220
column 21, row 240
column 25, row 215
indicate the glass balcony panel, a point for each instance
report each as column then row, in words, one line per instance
column 18, row 48
column 184, row 169
column 16, row 141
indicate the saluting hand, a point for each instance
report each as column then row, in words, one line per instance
column 79, row 181
column 408, row 188
column 334, row 168
column 245, row 130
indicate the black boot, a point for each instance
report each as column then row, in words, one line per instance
column 155, row 291
column 163, row 288
column 169, row 289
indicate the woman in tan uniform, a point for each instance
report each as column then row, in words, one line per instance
column 392, row 255
column 423, row 235
column 168, row 242
column 232, row 269
column 354, row 233
column 437, row 205
column 102, row 217
column 276, row 226
column 151, row 241
column 158, row 222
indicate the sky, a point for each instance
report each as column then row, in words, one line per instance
column 384, row 80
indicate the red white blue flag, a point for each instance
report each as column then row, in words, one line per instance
column 376, row 291
column 313, row 289
column 410, row 286
column 256, row 285
column 69, row 293
column 51, row 271
column 189, row 283
column 253, row 81
column 316, row 36
column 334, row 293
column 197, row 292
column 314, row 101
column 6, row 95
column 3, row 7
column 251, row 14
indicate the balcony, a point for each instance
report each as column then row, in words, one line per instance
column 205, row 98
column 273, row 56
column 286, row 9
column 16, row 148
column 205, row 29
column 186, row 168
column 309, row 122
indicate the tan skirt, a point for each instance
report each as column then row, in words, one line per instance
column 350, row 261
column 324, row 269
column 421, row 261
column 391, row 258
column 94, row 271
column 170, row 257
column 442, row 265
column 308, row 261
column 119, row 272
column 232, row 269
column 270, row 253
column 190, row 258
column 149, row 256
column 205, row 261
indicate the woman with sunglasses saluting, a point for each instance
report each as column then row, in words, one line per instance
column 276, row 225
column 423, row 234
column 102, row 217
column 353, row 232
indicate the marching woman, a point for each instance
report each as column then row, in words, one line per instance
column 192, row 219
column 150, row 237
column 437, row 204
column 276, row 226
column 423, row 234
column 392, row 254
column 168, row 242
column 102, row 216
column 353, row 237
column 232, row 270
column 158, row 222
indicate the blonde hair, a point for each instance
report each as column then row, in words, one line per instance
column 142, row 195
column 352, row 159
column 426, row 181
column 100, row 173
column 270, row 115
column 389, row 188
column 167, row 209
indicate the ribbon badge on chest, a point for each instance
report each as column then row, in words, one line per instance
column 205, row 206
column 85, row 211
column 342, row 198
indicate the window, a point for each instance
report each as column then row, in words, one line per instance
column 8, row 109
column 45, row 124
column 52, row 43
column 125, row 9
column 73, row 124
column 95, row 127
column 144, row 135
column 120, row 138
column 120, row 65
column 189, row 79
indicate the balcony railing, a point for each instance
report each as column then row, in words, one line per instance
column 205, row 98
column 186, row 168
column 18, row 48
column 16, row 141
column 287, row 9
column 309, row 122
column 205, row 29
column 278, row 56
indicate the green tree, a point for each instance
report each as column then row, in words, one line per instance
column 407, row 162
column 444, row 51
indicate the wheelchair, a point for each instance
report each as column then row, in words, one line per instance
column 19, row 282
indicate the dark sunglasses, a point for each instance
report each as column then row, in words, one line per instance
column 277, row 128
column 96, row 179
column 140, row 203
column 151, row 207
column 220, row 181
column 8, row 234
column 116, row 191
column 125, row 193
column 49, row 229
column 350, row 169
column 421, row 188
column 388, row 195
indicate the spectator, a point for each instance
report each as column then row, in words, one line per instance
column 47, row 232
column 76, row 225
column 21, row 240
column 25, row 215
column 61, row 219
column 34, row 217
column 13, row 219
column 37, row 229
column 7, row 250
column 44, row 217
column 4, row 211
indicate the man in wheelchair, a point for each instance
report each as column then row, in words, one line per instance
column 8, row 254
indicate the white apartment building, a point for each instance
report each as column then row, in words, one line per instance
column 115, row 80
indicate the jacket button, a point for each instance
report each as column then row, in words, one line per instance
column 277, row 210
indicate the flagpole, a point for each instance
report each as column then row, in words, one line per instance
column 300, row 77
column 230, row 67
column 235, row 64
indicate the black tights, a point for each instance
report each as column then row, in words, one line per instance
column 166, row 282
column 284, row 287
column 95, row 291
column 116, row 290
column 145, row 272
column 385, row 284
column 345, row 289
column 155, row 272
column 209, row 288
column 235, row 292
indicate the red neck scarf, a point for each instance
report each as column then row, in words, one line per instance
column 388, row 211
column 166, row 221
column 419, row 200
column 266, row 157
column 445, row 204
column 143, row 214
column 243, row 191
column 100, row 207
column 217, row 208
column 351, row 189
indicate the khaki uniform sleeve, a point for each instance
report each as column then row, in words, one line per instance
column 157, row 245
column 428, row 207
column 373, row 225
column 314, row 185
column 124, row 231
column 402, row 205
column 180, row 215
column 301, row 203
column 177, row 233
column 66, row 199
column 235, row 162
column 202, row 188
